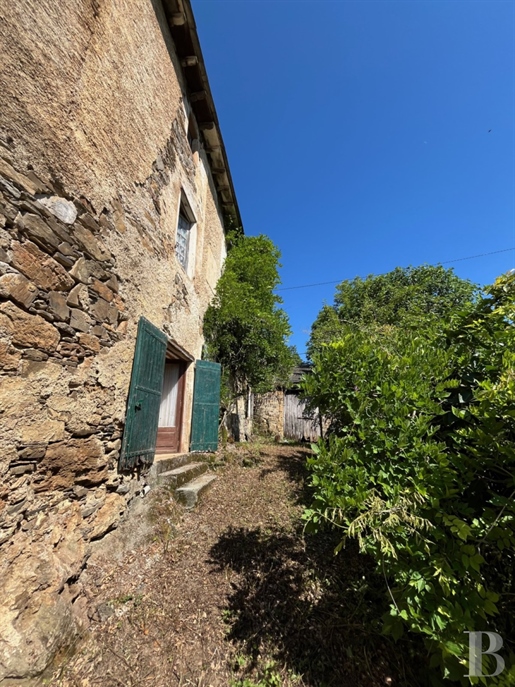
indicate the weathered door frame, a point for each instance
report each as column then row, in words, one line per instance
column 179, row 413
column 130, row 456
column 176, row 352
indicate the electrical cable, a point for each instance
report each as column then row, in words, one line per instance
column 446, row 262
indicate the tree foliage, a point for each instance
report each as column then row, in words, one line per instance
column 401, row 296
column 420, row 468
column 244, row 328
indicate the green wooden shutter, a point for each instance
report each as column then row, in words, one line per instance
column 139, row 437
column 206, row 406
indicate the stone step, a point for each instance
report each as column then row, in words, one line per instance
column 169, row 461
column 165, row 463
column 190, row 492
column 182, row 474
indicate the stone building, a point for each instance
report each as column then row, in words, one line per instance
column 115, row 194
column 282, row 413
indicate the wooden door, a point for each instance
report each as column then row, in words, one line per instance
column 170, row 410
column 139, row 437
column 298, row 424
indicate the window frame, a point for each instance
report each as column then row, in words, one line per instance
column 183, row 247
column 186, row 216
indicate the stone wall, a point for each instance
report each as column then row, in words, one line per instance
column 269, row 413
column 94, row 157
column 61, row 320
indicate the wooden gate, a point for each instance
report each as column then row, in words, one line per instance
column 139, row 437
column 206, row 406
column 297, row 424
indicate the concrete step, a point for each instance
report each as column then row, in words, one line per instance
column 190, row 492
column 165, row 463
column 182, row 474
column 169, row 461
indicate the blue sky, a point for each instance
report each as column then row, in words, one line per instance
column 358, row 134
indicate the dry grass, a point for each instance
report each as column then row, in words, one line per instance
column 233, row 594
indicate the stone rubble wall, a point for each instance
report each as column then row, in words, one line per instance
column 67, row 336
column 269, row 413
column 94, row 157
column 61, row 313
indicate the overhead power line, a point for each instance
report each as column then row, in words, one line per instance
column 446, row 262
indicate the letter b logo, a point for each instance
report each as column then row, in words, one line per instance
column 476, row 653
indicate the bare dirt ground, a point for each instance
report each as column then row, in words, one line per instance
column 233, row 594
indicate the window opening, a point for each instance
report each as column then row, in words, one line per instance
column 183, row 239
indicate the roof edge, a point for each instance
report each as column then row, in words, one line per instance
column 181, row 22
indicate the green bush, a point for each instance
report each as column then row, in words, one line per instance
column 419, row 466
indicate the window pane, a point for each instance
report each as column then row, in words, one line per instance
column 183, row 237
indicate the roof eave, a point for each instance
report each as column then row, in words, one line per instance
column 179, row 15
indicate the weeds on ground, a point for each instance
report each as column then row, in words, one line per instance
column 245, row 455
column 268, row 675
column 252, row 452
column 164, row 513
column 214, row 461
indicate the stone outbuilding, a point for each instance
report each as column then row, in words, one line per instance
column 282, row 413
column 115, row 196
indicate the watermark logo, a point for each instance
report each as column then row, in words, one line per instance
column 476, row 653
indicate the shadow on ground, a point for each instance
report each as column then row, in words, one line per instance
column 294, row 465
column 316, row 614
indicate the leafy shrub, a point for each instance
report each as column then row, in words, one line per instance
column 419, row 466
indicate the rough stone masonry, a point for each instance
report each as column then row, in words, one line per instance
column 94, row 160
column 60, row 317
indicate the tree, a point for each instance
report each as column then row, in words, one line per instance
column 420, row 469
column 399, row 297
column 245, row 329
